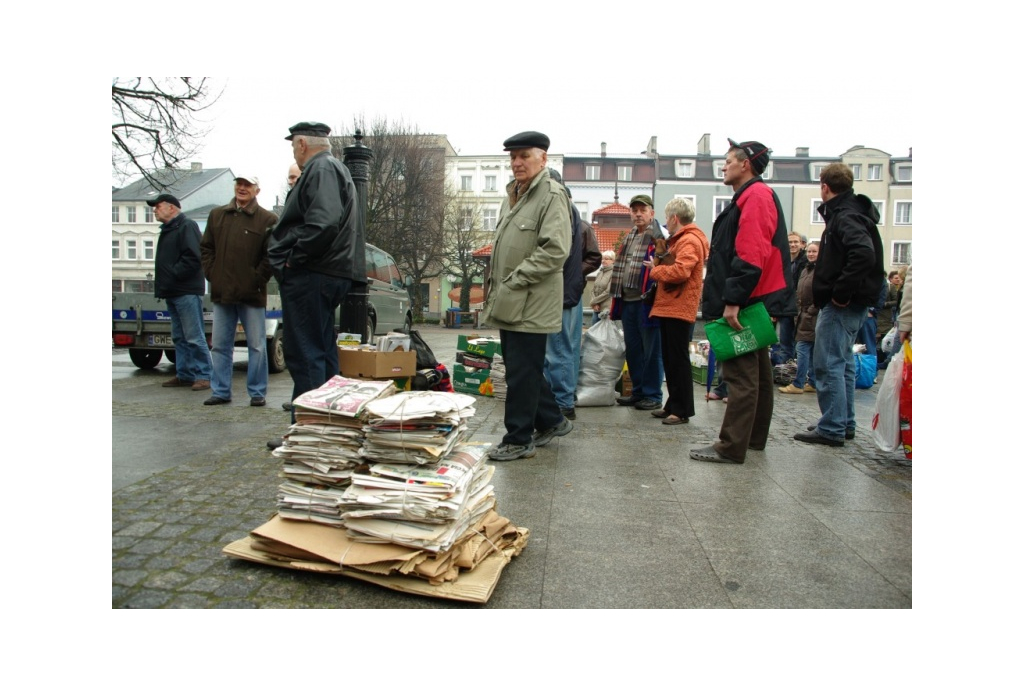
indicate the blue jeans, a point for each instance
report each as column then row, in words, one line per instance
column 868, row 333
column 787, row 336
column 804, row 364
column 834, row 370
column 254, row 322
column 191, row 355
column 643, row 352
column 562, row 357
column 308, row 301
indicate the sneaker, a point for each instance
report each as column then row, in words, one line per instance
column 287, row 406
column 709, row 453
column 541, row 438
column 274, row 443
column 569, row 413
column 509, row 452
column 816, row 438
column 201, row 385
column 176, row 383
column 810, row 388
column 627, row 401
column 213, row 401
column 791, row 390
column 647, row 404
column 258, row 402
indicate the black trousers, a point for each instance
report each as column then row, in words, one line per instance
column 529, row 403
column 675, row 356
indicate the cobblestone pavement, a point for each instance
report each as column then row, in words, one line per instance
column 619, row 517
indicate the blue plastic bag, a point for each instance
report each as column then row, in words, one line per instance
column 867, row 369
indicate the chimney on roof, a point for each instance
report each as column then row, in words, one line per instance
column 704, row 144
column 604, row 149
column 197, row 166
column 911, row 153
column 652, row 146
column 803, row 152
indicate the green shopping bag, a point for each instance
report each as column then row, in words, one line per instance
column 758, row 332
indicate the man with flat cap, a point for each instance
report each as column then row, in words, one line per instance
column 317, row 252
column 179, row 281
column 234, row 251
column 748, row 263
column 630, row 280
column 524, row 294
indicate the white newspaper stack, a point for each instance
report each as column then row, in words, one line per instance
column 498, row 377
column 417, row 427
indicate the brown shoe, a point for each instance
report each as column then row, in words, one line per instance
column 201, row 385
column 176, row 383
column 791, row 390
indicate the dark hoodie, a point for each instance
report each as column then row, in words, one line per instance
column 850, row 268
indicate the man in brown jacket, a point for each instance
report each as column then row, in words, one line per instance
column 234, row 252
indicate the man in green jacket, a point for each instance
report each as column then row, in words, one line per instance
column 524, row 294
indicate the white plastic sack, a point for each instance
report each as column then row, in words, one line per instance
column 889, row 340
column 885, row 424
column 604, row 353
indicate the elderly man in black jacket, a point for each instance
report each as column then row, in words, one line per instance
column 847, row 280
column 317, row 252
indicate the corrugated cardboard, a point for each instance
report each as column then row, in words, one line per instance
column 481, row 347
column 473, row 381
column 372, row 364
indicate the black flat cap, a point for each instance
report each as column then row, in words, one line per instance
column 164, row 197
column 758, row 154
column 309, row 128
column 527, row 139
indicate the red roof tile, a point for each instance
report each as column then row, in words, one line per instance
column 607, row 237
column 614, row 208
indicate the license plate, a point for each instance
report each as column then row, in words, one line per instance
column 161, row 341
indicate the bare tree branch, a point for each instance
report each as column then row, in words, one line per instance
column 155, row 124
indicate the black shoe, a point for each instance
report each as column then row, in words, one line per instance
column 817, row 438
column 814, row 427
column 287, row 406
column 216, row 400
column 569, row 413
column 274, row 443
column 647, row 404
column 627, row 401
column 258, row 402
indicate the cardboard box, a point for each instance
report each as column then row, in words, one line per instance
column 472, row 381
column 372, row 364
column 481, row 347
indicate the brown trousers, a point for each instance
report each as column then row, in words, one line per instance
column 748, row 415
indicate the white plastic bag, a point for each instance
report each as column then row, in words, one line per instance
column 889, row 340
column 603, row 354
column 885, row 424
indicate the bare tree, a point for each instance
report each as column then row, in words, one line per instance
column 405, row 211
column 464, row 235
column 155, row 124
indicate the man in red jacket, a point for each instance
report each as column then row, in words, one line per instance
column 749, row 263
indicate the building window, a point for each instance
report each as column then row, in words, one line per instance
column 684, row 168
column 115, row 214
column 855, row 168
column 115, row 285
column 900, row 253
column 903, row 214
column 903, row 173
column 816, row 170
column 131, row 215
column 625, row 173
column 466, row 218
column 490, row 219
column 467, row 183
column 816, row 217
column 491, row 183
column 147, row 249
column 880, row 206
column 583, row 208
column 874, row 172
column 593, row 172
column 132, row 253
column 720, row 204
column 150, row 216
column 693, row 201
column 115, row 249
column 768, row 171
column 719, row 169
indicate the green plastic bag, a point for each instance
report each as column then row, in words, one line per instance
column 758, row 332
